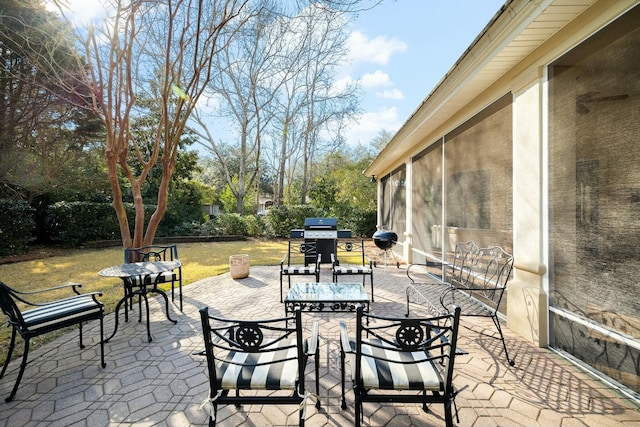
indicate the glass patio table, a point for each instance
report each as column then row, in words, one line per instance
column 134, row 278
column 326, row 297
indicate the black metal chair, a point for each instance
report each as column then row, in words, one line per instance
column 40, row 318
column 391, row 357
column 349, row 258
column 301, row 259
column 158, row 253
column 256, row 357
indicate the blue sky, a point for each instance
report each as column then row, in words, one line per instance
column 401, row 49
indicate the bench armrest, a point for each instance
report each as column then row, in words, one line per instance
column 430, row 278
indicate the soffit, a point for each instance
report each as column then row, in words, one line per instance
column 519, row 28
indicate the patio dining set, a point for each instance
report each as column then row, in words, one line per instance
column 392, row 359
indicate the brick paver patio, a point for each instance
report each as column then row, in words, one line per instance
column 162, row 383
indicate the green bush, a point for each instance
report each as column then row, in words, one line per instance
column 17, row 226
column 72, row 223
column 232, row 224
column 255, row 225
column 210, row 228
column 282, row 219
column 361, row 222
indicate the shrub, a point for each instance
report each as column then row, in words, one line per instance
column 255, row 225
column 72, row 223
column 360, row 222
column 232, row 224
column 17, row 225
column 282, row 219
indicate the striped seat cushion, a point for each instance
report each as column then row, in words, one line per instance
column 59, row 311
column 166, row 276
column 243, row 374
column 310, row 269
column 384, row 375
column 352, row 269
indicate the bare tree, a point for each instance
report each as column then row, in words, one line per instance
column 249, row 74
column 160, row 50
column 311, row 109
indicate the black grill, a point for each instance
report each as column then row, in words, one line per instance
column 324, row 231
column 385, row 239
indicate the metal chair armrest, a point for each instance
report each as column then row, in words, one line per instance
column 315, row 339
column 72, row 285
column 344, row 338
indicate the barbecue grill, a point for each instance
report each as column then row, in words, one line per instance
column 324, row 232
column 385, row 240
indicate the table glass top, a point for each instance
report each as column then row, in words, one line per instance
column 139, row 268
column 327, row 292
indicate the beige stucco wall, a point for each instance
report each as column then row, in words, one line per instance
column 527, row 300
column 527, row 303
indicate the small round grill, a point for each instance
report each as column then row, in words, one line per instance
column 385, row 239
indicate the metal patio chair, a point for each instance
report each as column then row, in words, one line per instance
column 301, row 259
column 31, row 319
column 158, row 253
column 255, row 358
column 409, row 360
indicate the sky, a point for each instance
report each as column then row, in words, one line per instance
column 399, row 51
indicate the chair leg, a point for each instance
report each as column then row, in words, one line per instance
column 448, row 417
column 9, row 353
column 80, row 333
column 23, row 365
column 301, row 417
column 102, row 362
column 280, row 286
column 343, row 402
column 212, row 423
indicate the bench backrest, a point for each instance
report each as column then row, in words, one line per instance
column 462, row 258
column 487, row 272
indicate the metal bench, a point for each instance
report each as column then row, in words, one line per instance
column 475, row 282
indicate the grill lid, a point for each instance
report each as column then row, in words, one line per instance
column 385, row 239
column 321, row 223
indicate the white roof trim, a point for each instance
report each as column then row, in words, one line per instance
column 516, row 31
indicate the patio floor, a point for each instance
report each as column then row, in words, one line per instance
column 162, row 383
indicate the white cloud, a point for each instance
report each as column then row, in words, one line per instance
column 371, row 123
column 81, row 12
column 390, row 94
column 377, row 50
column 375, row 79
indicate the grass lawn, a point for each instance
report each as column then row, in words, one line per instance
column 199, row 260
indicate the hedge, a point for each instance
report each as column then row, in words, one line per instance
column 17, row 224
